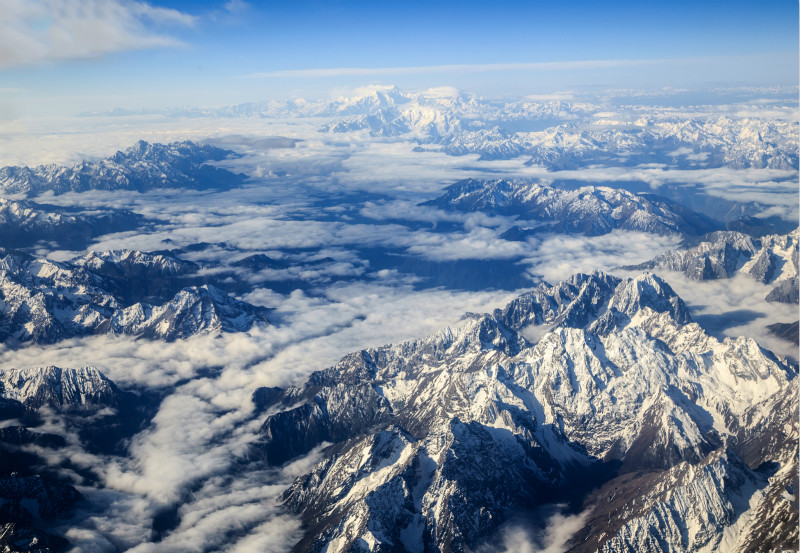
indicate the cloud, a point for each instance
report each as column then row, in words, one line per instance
column 519, row 537
column 455, row 68
column 236, row 6
column 555, row 257
column 33, row 31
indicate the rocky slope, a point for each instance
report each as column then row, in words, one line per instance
column 141, row 167
column 592, row 210
column 44, row 302
column 771, row 259
column 437, row 441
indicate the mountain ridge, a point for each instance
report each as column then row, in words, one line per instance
column 141, row 167
column 633, row 385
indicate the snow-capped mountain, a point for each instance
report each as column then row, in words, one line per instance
column 32, row 496
column 83, row 388
column 772, row 259
column 592, row 210
column 141, row 167
column 553, row 133
column 133, row 276
column 563, row 135
column 43, row 301
column 23, row 223
column 437, row 441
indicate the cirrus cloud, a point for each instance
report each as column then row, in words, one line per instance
column 33, row 31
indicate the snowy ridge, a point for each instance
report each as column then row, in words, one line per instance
column 28, row 214
column 141, row 167
column 436, row 438
column 43, row 301
column 771, row 259
column 122, row 263
column 24, row 223
column 592, row 210
column 82, row 388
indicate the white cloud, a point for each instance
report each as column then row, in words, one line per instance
column 456, row 68
column 519, row 537
column 34, row 31
column 556, row 257
column 236, row 6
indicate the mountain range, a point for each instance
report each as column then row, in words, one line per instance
column 590, row 210
column 559, row 134
column 564, row 135
column 597, row 393
column 771, row 259
column 141, row 167
column 25, row 223
column 42, row 301
column 599, row 409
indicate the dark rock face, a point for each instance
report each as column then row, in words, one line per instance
column 19, row 435
column 435, row 441
column 16, row 538
column 27, row 504
column 785, row 292
column 51, row 498
column 787, row 331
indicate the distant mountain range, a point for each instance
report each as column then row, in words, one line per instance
column 771, row 259
column 555, row 133
column 25, row 223
column 590, row 210
column 621, row 407
column 565, row 135
column 141, row 167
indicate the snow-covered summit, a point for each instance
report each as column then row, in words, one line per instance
column 75, row 389
column 436, row 438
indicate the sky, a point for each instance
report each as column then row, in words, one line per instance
column 68, row 56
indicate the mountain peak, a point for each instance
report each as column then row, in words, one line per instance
column 71, row 389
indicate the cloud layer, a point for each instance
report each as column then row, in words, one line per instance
column 33, row 31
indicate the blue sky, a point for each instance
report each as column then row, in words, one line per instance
column 69, row 55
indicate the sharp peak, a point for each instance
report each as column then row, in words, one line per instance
column 54, row 368
column 650, row 278
column 143, row 146
column 575, row 278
